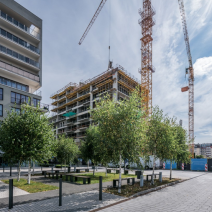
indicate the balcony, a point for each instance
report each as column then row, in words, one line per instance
column 33, row 31
column 19, row 58
column 21, row 45
column 19, row 71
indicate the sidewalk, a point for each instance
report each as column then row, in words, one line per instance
column 85, row 201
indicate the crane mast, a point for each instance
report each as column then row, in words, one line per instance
column 102, row 3
column 146, row 22
column 190, row 72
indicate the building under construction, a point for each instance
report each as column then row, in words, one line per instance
column 72, row 103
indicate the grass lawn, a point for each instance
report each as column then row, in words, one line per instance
column 34, row 187
column 128, row 190
column 95, row 178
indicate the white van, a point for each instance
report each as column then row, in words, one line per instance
column 146, row 165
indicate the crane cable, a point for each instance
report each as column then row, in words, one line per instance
column 109, row 27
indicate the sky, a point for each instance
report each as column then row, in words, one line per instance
column 64, row 61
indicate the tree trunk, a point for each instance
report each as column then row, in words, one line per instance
column 170, row 170
column 88, row 163
column 106, row 171
column 33, row 163
column 70, row 166
column 74, row 167
column 29, row 172
column 153, row 170
column 65, row 166
column 119, row 188
column 94, row 170
column 19, row 171
column 124, row 166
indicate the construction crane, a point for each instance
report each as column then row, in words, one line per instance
column 190, row 72
column 146, row 22
column 102, row 3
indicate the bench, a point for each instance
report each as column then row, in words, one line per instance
column 78, row 170
column 52, row 173
column 72, row 177
column 127, row 178
column 148, row 175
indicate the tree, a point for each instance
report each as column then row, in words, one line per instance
column 156, row 136
column 26, row 136
column 121, row 128
column 92, row 149
column 66, row 149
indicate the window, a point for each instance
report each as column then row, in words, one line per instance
column 1, row 110
column 17, row 110
column 1, row 93
column 13, row 84
column 36, row 102
column 17, row 98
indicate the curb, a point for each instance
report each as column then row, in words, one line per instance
column 140, row 194
column 156, row 189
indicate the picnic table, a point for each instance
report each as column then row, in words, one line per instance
column 72, row 177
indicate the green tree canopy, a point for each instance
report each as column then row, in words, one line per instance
column 26, row 136
column 121, row 128
column 66, row 149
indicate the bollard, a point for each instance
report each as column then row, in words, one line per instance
column 10, row 193
column 10, row 171
column 141, row 181
column 60, row 191
column 160, row 177
column 3, row 168
column 100, row 187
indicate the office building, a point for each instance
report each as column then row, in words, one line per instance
column 20, row 57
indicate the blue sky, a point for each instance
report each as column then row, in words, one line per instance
column 64, row 61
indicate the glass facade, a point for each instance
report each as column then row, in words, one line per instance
column 18, row 56
column 1, row 93
column 14, row 84
column 18, row 40
column 17, row 98
column 1, row 110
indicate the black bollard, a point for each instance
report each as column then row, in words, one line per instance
column 100, row 187
column 10, row 193
column 60, row 191
column 10, row 171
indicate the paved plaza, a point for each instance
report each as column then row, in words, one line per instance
column 194, row 193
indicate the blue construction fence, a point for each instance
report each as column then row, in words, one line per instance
column 198, row 164
column 168, row 163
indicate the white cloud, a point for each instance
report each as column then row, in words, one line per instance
column 203, row 66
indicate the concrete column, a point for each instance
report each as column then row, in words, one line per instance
column 91, row 97
column 115, row 85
